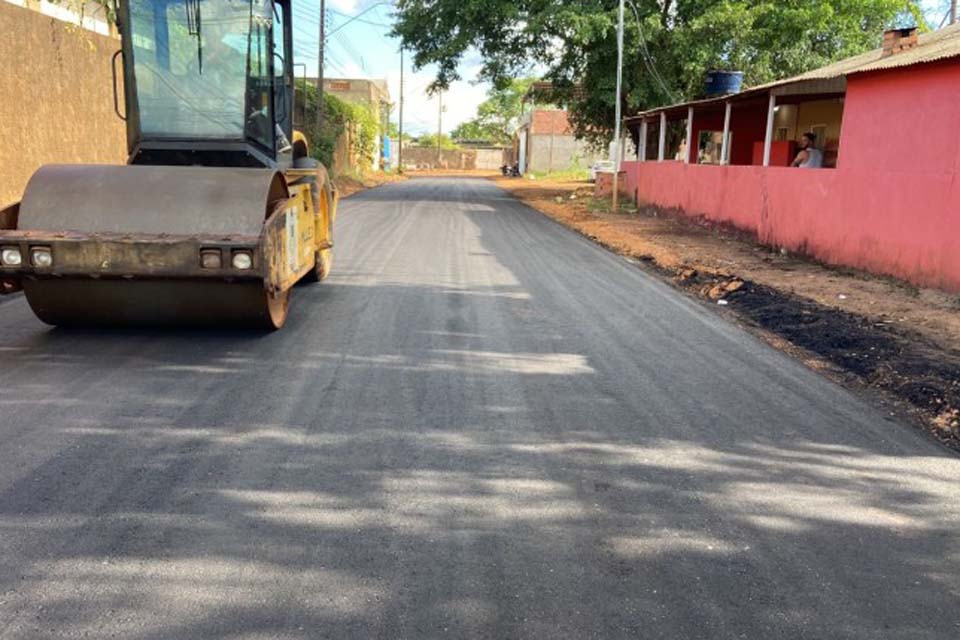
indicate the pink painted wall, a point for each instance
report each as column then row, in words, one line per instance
column 892, row 206
column 906, row 119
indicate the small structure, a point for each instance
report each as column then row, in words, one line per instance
column 374, row 94
column 544, row 141
column 488, row 156
column 886, row 122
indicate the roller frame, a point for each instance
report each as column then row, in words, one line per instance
column 284, row 251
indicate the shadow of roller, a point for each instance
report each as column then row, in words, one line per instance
column 156, row 303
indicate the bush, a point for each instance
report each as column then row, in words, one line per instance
column 337, row 117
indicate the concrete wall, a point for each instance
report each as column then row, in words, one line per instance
column 490, row 158
column 905, row 121
column 344, row 155
column 555, row 152
column 369, row 92
column 550, row 145
column 892, row 206
column 426, row 158
column 57, row 102
column 547, row 121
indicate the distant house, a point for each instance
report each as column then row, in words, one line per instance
column 374, row 94
column 544, row 142
column 886, row 123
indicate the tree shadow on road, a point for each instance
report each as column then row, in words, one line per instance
column 551, row 450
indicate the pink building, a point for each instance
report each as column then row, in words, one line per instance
column 887, row 124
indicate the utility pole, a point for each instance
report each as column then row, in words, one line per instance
column 616, row 125
column 320, row 105
column 953, row 11
column 439, row 123
column 400, row 138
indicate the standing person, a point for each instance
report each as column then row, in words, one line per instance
column 809, row 157
column 681, row 151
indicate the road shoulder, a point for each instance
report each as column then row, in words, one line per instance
column 348, row 185
column 878, row 336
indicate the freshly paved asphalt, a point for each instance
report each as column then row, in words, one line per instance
column 482, row 426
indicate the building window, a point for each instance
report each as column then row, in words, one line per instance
column 676, row 140
column 653, row 141
column 710, row 147
column 820, row 130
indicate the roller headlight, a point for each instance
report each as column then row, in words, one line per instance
column 10, row 257
column 41, row 257
column 242, row 260
column 210, row 259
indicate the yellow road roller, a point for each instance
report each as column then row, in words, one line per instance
column 219, row 210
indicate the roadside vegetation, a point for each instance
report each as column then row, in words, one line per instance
column 497, row 116
column 430, row 140
column 572, row 174
column 339, row 116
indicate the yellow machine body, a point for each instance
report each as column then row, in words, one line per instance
column 146, row 245
column 219, row 210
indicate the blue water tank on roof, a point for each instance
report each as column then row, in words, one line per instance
column 720, row 83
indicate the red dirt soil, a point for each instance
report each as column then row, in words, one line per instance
column 349, row 185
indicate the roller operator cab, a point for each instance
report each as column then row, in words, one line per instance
column 219, row 210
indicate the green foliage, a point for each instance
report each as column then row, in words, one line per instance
column 338, row 117
column 322, row 143
column 367, row 127
column 474, row 130
column 676, row 41
column 430, row 140
column 497, row 115
column 571, row 174
column 393, row 131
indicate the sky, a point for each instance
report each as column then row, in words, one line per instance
column 362, row 49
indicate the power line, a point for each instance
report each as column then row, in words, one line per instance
column 352, row 19
column 363, row 20
column 344, row 43
column 647, row 58
column 347, row 47
column 358, row 16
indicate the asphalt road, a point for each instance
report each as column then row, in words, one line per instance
column 482, row 426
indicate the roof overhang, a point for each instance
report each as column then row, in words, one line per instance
column 813, row 89
column 830, row 80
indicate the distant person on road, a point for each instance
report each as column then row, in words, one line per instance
column 809, row 157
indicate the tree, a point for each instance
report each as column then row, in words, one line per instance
column 430, row 140
column 474, row 130
column 497, row 115
column 669, row 44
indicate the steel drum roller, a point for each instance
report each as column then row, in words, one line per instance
column 151, row 201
